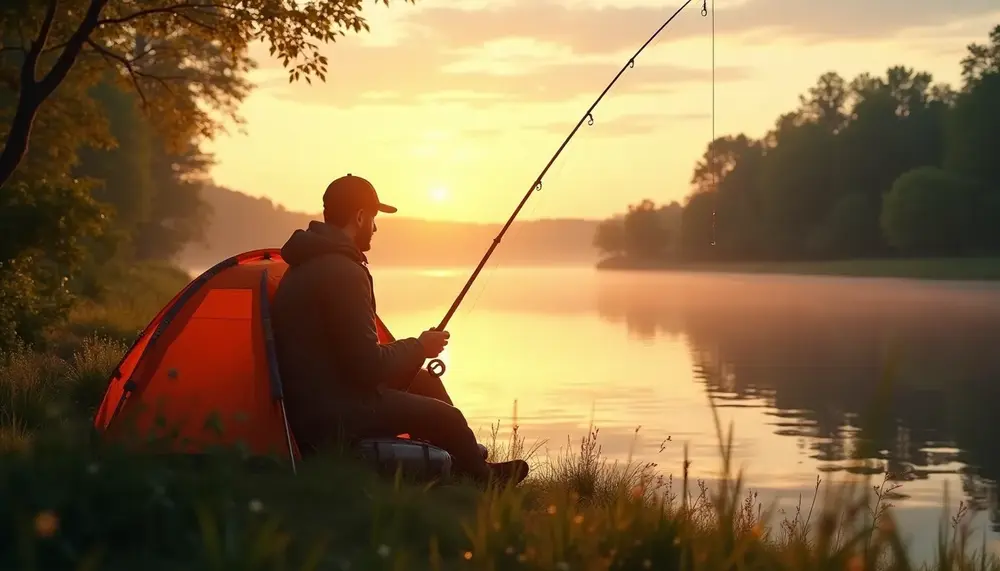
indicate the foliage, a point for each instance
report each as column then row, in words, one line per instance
column 43, row 228
column 150, row 47
column 154, row 192
column 826, row 181
column 116, row 99
column 930, row 211
column 610, row 236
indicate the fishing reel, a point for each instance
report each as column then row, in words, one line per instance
column 436, row 368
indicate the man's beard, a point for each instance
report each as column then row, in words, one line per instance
column 363, row 240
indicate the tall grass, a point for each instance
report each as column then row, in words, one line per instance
column 68, row 503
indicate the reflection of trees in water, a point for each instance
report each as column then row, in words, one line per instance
column 906, row 374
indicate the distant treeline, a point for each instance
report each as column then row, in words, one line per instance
column 872, row 167
column 238, row 222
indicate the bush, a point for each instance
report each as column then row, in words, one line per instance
column 929, row 211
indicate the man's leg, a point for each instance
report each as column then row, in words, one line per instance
column 424, row 418
column 426, row 384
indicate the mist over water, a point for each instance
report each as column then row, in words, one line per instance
column 815, row 373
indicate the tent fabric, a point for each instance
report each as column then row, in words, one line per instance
column 204, row 369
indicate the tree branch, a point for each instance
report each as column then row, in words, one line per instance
column 75, row 43
column 30, row 65
column 196, row 22
column 164, row 10
column 134, row 74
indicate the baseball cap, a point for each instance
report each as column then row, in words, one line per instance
column 351, row 191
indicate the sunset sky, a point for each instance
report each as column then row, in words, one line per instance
column 451, row 108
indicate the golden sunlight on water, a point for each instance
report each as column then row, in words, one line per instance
column 796, row 364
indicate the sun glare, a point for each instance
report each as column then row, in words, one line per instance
column 439, row 194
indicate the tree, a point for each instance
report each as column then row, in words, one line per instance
column 824, row 104
column 121, row 173
column 981, row 60
column 850, row 230
column 647, row 236
column 609, row 237
column 881, row 165
column 697, row 227
column 153, row 192
column 973, row 132
column 178, row 215
column 44, row 225
column 929, row 211
column 797, row 186
column 123, row 35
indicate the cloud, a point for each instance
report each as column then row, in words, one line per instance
column 419, row 74
column 602, row 29
column 542, row 51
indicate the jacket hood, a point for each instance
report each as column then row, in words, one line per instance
column 319, row 239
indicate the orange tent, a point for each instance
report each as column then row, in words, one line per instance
column 209, row 357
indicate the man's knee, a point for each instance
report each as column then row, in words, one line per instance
column 453, row 417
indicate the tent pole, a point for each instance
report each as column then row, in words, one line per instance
column 288, row 436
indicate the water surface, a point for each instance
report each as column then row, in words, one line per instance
column 814, row 373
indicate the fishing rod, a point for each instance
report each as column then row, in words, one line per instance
column 437, row 367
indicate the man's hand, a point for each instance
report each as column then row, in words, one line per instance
column 433, row 342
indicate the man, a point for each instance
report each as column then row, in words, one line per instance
column 340, row 383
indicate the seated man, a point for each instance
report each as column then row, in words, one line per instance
column 341, row 384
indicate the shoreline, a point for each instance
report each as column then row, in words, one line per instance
column 929, row 269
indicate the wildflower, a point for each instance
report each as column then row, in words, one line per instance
column 578, row 519
column 256, row 506
column 468, row 556
column 856, row 564
column 638, row 492
column 552, row 509
column 46, row 523
column 756, row 530
column 383, row 550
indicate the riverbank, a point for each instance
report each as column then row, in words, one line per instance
column 973, row 269
column 70, row 504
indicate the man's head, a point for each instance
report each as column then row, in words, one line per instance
column 351, row 204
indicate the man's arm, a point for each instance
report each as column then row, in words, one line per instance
column 349, row 315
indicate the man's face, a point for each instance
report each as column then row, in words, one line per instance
column 366, row 229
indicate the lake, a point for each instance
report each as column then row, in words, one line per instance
column 812, row 372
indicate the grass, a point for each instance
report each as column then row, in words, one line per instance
column 917, row 268
column 72, row 502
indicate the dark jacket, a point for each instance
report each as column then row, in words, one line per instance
column 325, row 334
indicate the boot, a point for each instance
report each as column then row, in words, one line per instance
column 512, row 472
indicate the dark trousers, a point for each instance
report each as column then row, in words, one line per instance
column 422, row 408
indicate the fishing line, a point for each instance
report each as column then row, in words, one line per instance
column 437, row 367
column 712, row 156
column 485, row 282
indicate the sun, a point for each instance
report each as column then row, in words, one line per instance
column 439, row 194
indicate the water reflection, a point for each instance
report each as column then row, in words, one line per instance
column 901, row 373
